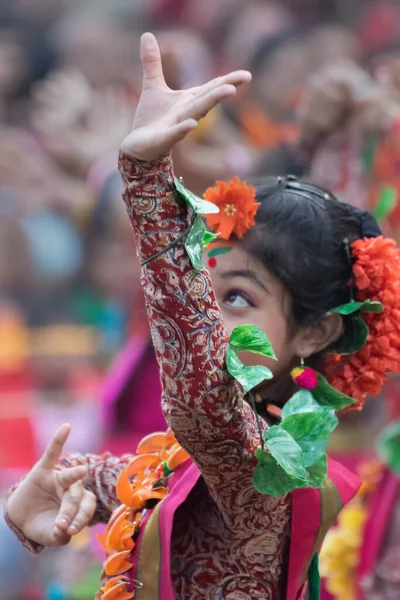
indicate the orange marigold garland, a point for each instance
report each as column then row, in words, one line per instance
column 237, row 208
column 377, row 277
column 143, row 480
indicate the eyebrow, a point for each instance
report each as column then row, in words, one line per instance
column 246, row 274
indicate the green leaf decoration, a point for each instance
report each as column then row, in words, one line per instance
column 326, row 395
column 311, row 431
column 354, row 337
column 317, row 472
column 251, row 338
column 386, row 204
column 351, row 307
column 301, row 402
column 388, row 447
column 209, row 237
column 198, row 205
column 248, row 377
column 194, row 243
column 218, row 251
column 371, row 306
column 286, row 451
column 270, row 479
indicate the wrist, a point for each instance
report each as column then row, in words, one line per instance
column 146, row 155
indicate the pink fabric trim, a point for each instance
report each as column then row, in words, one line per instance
column 306, row 522
column 346, row 482
column 181, row 484
column 306, row 517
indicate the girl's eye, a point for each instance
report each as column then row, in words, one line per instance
column 236, row 299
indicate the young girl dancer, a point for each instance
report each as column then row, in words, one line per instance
column 214, row 509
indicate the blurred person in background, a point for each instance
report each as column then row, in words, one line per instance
column 64, row 78
column 345, row 110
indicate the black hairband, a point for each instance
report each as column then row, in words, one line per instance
column 307, row 191
column 369, row 228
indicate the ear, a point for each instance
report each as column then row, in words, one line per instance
column 319, row 336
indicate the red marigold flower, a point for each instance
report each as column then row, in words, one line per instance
column 377, row 277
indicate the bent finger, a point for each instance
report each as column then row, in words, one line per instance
column 69, row 507
column 67, row 477
column 176, row 133
column 235, row 78
column 197, row 108
column 84, row 515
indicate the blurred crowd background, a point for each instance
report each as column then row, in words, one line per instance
column 70, row 298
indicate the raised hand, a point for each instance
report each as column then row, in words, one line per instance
column 344, row 96
column 51, row 505
column 163, row 116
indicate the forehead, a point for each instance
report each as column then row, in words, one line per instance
column 239, row 260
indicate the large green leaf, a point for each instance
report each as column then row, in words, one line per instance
column 269, row 478
column 301, row 402
column 351, row 307
column 354, row 337
column 194, row 243
column 318, row 472
column 389, row 446
column 198, row 205
column 248, row 377
column 311, row 431
column 326, row 395
column 251, row 338
column 286, row 451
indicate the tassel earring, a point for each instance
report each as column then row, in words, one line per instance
column 304, row 377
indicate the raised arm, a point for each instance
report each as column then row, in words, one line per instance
column 202, row 403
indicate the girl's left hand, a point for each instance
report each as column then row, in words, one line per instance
column 164, row 116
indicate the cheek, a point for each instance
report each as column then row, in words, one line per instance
column 276, row 330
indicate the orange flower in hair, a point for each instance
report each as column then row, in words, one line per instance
column 377, row 277
column 237, row 208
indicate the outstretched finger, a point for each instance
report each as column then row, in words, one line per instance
column 70, row 504
column 197, row 108
column 235, row 78
column 53, row 451
column 150, row 56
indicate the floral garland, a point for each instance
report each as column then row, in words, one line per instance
column 143, row 481
column 340, row 553
column 377, row 278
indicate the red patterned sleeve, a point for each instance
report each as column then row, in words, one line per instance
column 201, row 401
column 101, row 480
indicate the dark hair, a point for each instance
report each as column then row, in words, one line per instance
column 299, row 237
